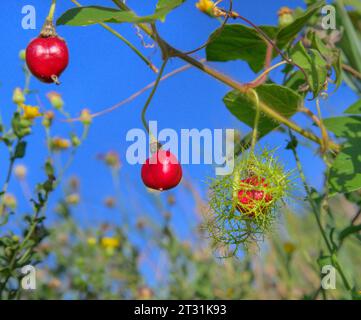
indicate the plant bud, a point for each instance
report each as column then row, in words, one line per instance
column 20, row 171
column 55, row 100
column 22, row 55
column 285, row 17
column 86, row 117
column 18, row 96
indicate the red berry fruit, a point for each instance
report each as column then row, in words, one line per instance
column 47, row 58
column 253, row 195
column 161, row 171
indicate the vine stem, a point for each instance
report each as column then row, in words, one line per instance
column 323, row 129
column 230, row 82
column 315, row 211
column 256, row 122
column 134, row 95
column 265, row 73
column 147, row 103
column 126, row 41
column 52, row 11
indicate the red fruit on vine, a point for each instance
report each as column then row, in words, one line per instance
column 47, row 58
column 253, row 195
column 162, row 171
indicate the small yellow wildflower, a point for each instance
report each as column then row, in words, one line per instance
column 10, row 201
column 289, row 247
column 60, row 143
column 284, row 10
column 72, row 199
column 111, row 158
column 20, row 171
column 18, row 96
column 85, row 117
column 92, row 241
column 48, row 118
column 55, row 100
column 285, row 15
column 206, row 6
column 109, row 242
column 31, row 112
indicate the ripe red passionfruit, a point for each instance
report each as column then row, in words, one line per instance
column 253, row 195
column 47, row 58
column 161, row 171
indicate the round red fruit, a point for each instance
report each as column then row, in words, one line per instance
column 47, row 58
column 162, row 171
column 253, row 195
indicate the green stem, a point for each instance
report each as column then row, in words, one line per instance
column 147, row 103
column 14, row 259
column 50, row 16
column 316, row 213
column 256, row 121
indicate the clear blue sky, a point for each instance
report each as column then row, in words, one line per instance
column 103, row 71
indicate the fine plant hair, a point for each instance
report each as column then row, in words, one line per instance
column 230, row 223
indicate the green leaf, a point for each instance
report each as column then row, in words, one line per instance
column 348, row 231
column 165, row 6
column 344, row 127
column 84, row 16
column 281, row 99
column 20, row 150
column 324, row 261
column 288, row 33
column 238, row 42
column 350, row 42
column 355, row 108
column 314, row 65
column 345, row 173
column 331, row 55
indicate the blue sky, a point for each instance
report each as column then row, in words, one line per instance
column 103, row 71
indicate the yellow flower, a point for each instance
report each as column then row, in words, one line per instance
column 86, row 117
column 18, row 96
column 205, row 6
column 60, row 143
column 73, row 199
column 284, row 10
column 92, row 241
column 31, row 112
column 285, row 15
column 20, row 171
column 111, row 243
column 111, row 158
column 289, row 247
column 55, row 100
column 10, row 201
